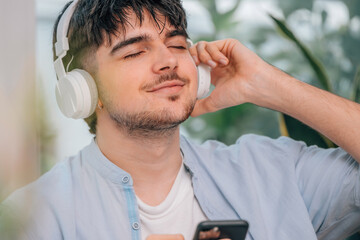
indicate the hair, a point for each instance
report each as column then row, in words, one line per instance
column 95, row 21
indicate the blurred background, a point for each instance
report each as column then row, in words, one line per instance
column 316, row 41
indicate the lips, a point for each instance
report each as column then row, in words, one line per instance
column 167, row 85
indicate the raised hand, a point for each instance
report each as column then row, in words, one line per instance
column 235, row 71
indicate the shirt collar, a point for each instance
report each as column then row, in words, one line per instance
column 104, row 166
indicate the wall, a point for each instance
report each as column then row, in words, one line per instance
column 18, row 144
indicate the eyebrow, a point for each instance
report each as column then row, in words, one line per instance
column 137, row 39
column 144, row 38
column 176, row 32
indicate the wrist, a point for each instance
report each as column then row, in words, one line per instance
column 266, row 86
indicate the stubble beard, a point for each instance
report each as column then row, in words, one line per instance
column 148, row 124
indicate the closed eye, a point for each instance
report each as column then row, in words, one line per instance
column 133, row 55
column 178, row 47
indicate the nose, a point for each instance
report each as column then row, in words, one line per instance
column 165, row 60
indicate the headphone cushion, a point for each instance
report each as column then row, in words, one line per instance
column 76, row 94
column 204, row 80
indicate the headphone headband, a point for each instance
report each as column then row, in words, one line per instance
column 76, row 92
column 62, row 42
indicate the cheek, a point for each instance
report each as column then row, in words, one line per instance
column 116, row 86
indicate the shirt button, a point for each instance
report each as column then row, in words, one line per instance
column 135, row 226
column 125, row 179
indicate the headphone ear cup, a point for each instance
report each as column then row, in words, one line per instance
column 76, row 94
column 204, row 80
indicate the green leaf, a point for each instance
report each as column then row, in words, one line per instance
column 222, row 21
column 355, row 96
column 210, row 5
column 229, row 14
column 315, row 64
column 353, row 6
column 299, row 131
column 282, row 125
column 288, row 7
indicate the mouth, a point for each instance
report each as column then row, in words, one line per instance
column 169, row 87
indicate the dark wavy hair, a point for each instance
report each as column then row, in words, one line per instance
column 94, row 21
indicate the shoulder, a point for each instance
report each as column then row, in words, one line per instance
column 251, row 157
column 49, row 190
column 256, row 145
column 55, row 181
column 47, row 201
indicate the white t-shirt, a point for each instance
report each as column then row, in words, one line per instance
column 179, row 213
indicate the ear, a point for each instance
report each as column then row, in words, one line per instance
column 100, row 104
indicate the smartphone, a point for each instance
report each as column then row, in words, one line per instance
column 232, row 229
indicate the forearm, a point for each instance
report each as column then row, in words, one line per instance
column 333, row 116
column 244, row 77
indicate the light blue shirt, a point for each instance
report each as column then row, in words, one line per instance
column 284, row 189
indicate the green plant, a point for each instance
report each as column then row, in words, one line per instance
column 292, row 127
column 228, row 124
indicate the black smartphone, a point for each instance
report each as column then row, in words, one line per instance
column 232, row 229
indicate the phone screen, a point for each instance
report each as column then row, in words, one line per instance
column 230, row 229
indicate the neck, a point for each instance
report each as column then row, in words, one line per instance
column 153, row 162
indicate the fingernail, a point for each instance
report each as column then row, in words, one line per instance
column 196, row 59
column 223, row 61
column 211, row 63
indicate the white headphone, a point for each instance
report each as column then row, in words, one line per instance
column 76, row 92
column 204, row 77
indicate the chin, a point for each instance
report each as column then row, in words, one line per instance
column 157, row 117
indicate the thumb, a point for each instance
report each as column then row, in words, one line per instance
column 165, row 237
column 203, row 106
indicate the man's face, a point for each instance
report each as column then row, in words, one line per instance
column 147, row 80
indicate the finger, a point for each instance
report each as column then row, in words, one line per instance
column 203, row 106
column 203, row 55
column 193, row 53
column 203, row 235
column 165, row 237
column 216, row 54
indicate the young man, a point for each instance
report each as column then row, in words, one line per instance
column 139, row 177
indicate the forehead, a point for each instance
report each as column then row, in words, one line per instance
column 157, row 24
